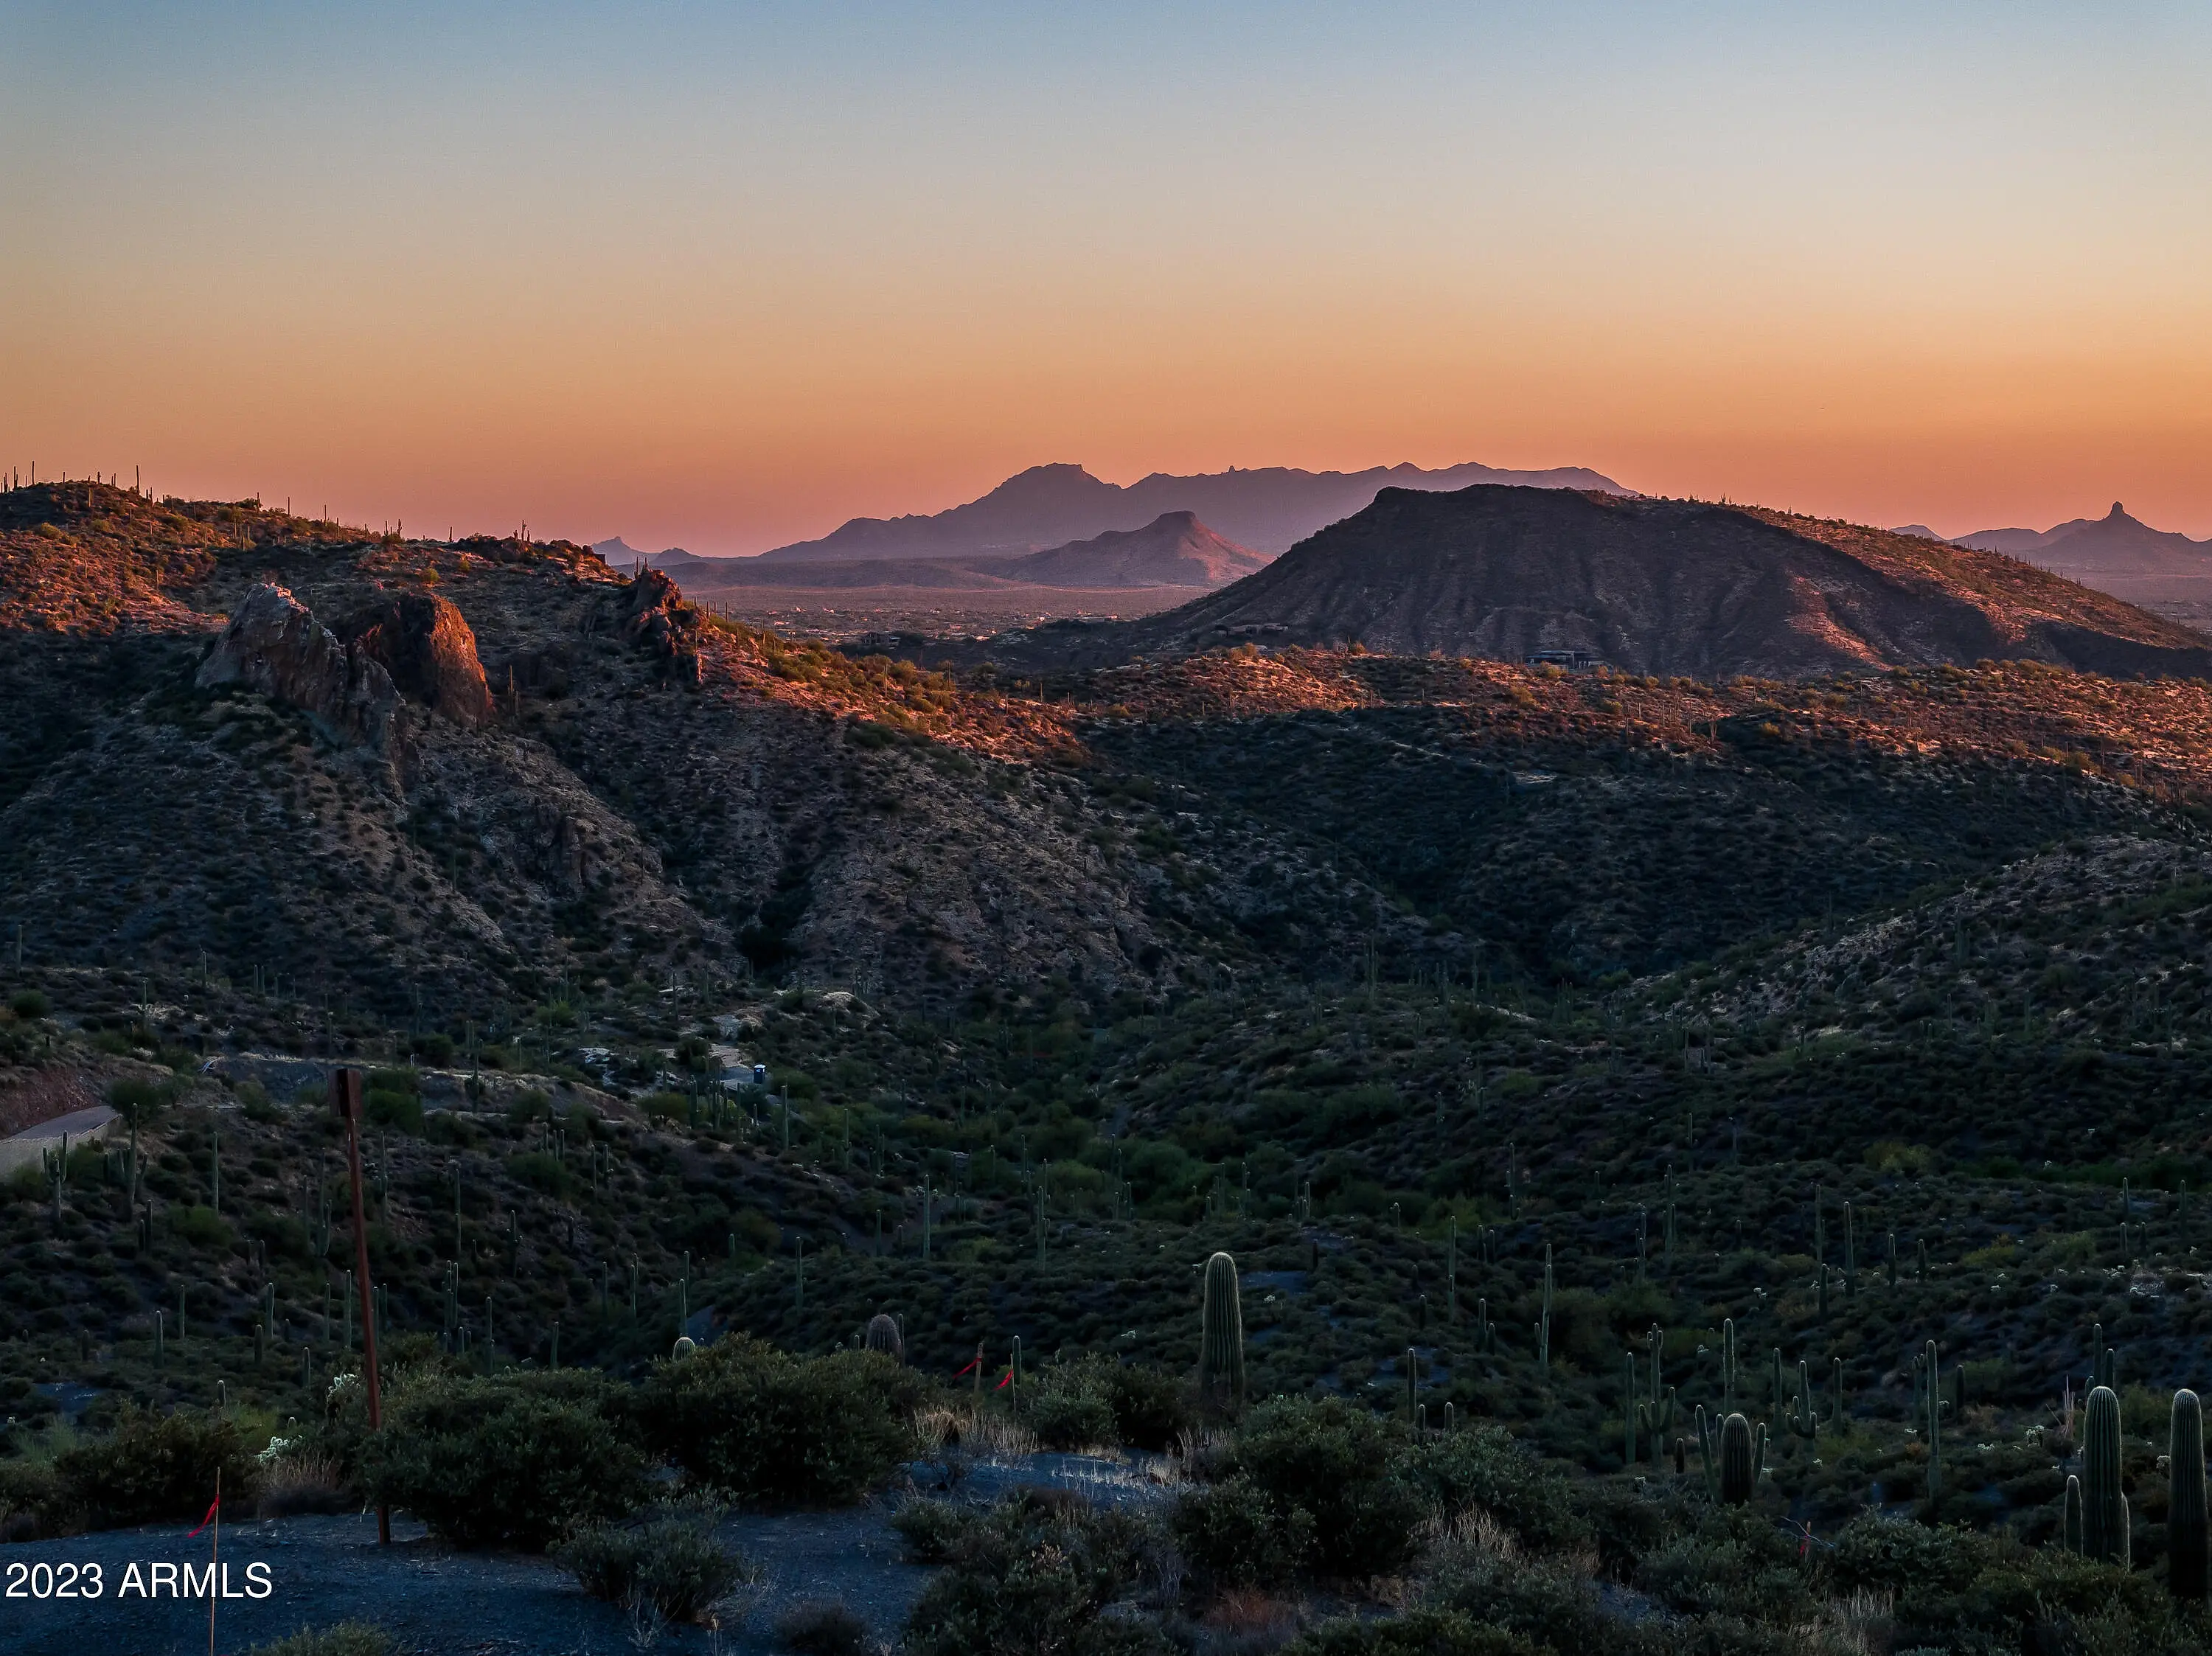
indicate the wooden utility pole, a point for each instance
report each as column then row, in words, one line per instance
column 346, row 1090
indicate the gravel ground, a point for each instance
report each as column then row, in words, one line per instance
column 438, row 1602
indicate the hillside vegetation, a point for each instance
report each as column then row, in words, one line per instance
column 1555, row 1055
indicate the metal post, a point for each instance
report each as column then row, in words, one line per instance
column 345, row 1088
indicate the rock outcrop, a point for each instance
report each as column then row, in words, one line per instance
column 427, row 646
column 274, row 644
column 655, row 616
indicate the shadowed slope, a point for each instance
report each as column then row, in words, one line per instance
column 1666, row 586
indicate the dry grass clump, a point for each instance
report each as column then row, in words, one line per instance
column 305, row 1482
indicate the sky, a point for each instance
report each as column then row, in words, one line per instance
column 724, row 275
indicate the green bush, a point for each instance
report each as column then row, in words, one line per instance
column 1545, row 1599
column 1336, row 1462
column 1070, row 1408
column 932, row 1529
column 745, row 1418
column 388, row 1108
column 153, row 1468
column 1033, row 1574
column 1151, row 1407
column 1735, row 1562
column 344, row 1639
column 137, row 1098
column 1416, row 1633
column 1895, row 1555
column 1237, row 1535
column 515, row 1460
column 1487, row 1467
column 201, row 1226
column 670, row 1560
column 34, row 1503
column 541, row 1170
column 30, row 1004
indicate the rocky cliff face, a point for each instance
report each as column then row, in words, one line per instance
column 425, row 644
column 274, row 644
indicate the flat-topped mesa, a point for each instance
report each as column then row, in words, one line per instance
column 274, row 644
column 427, row 645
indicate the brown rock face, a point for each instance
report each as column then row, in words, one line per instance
column 275, row 645
column 427, row 646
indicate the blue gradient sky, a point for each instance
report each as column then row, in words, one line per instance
column 728, row 275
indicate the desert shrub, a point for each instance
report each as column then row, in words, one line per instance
column 932, row 1528
column 34, row 1503
column 1034, row 1573
column 386, row 1108
column 201, row 1226
column 541, row 1171
column 304, row 1481
column 1416, row 1633
column 1735, row 1562
column 30, row 1004
column 1237, row 1535
column 1477, row 1572
column 1895, row 1555
column 670, row 1559
column 1070, row 1408
column 516, row 1460
column 665, row 1107
column 156, row 1467
column 135, row 1098
column 1151, row 1408
column 744, row 1418
column 342, row 1639
column 1486, row 1467
column 434, row 1049
column 822, row 1629
column 1334, row 1462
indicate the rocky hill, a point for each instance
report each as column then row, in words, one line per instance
column 1174, row 549
column 407, row 771
column 1266, row 510
column 1658, row 586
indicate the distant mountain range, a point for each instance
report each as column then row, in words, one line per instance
column 1174, row 549
column 1267, row 511
column 2093, row 549
column 1647, row 586
column 620, row 555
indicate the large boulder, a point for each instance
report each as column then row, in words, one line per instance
column 274, row 644
column 427, row 646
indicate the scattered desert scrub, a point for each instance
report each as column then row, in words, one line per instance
column 341, row 1639
column 823, row 1630
column 668, row 1559
column 747, row 1420
column 514, row 1460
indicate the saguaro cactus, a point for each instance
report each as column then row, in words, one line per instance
column 2104, row 1508
column 1743, row 1452
column 1931, row 1365
column 1543, row 1323
column 2186, row 1516
column 1221, row 1338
